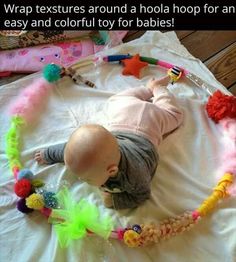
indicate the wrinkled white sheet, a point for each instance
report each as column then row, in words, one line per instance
column 184, row 178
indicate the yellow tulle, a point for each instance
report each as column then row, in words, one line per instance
column 73, row 219
column 220, row 191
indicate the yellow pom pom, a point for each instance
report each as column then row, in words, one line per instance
column 131, row 238
column 35, row 201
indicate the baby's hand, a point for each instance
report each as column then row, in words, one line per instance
column 107, row 199
column 155, row 83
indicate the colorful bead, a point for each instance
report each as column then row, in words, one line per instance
column 137, row 228
column 174, row 73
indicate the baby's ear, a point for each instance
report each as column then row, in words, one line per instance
column 112, row 170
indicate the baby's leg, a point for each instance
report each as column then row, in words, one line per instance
column 140, row 93
column 170, row 115
column 143, row 93
column 51, row 155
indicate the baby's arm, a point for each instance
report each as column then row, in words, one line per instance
column 51, row 155
column 136, row 190
column 170, row 113
column 55, row 154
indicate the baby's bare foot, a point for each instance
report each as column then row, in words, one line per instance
column 152, row 83
column 39, row 157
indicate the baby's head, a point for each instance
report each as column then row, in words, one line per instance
column 92, row 153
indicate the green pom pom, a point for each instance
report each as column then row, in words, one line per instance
column 52, row 72
column 97, row 40
column 37, row 183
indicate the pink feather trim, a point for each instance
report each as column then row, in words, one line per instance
column 228, row 159
column 30, row 99
column 229, row 127
column 229, row 166
column 229, row 163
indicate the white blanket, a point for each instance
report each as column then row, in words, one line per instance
column 185, row 175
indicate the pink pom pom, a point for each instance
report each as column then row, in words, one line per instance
column 30, row 99
column 46, row 211
column 15, row 171
column 195, row 215
column 120, row 233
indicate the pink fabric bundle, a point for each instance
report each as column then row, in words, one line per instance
column 33, row 59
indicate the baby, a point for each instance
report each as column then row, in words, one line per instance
column 122, row 160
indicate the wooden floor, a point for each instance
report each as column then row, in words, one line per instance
column 216, row 49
